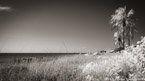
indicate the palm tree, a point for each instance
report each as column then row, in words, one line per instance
column 130, row 27
column 124, row 25
column 117, row 21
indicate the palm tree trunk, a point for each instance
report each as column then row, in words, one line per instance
column 123, row 41
column 124, row 24
column 128, row 41
column 123, row 38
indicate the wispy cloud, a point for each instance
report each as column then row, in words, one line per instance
column 5, row 8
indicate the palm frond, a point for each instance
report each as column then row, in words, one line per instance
column 130, row 13
column 135, row 29
column 132, row 34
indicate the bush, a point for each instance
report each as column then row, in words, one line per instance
column 129, row 65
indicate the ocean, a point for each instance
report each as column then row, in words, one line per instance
column 10, row 57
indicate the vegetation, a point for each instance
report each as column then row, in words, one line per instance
column 128, row 65
column 123, row 23
column 66, row 68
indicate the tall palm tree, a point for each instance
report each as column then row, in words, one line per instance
column 130, row 27
column 117, row 21
column 124, row 25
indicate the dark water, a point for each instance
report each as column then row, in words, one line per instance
column 9, row 57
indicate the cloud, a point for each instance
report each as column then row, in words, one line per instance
column 5, row 8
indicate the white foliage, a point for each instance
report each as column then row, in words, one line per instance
column 131, row 62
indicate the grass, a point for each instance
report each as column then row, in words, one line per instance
column 66, row 68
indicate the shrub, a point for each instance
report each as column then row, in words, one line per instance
column 129, row 65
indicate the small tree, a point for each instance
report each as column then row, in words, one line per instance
column 124, row 25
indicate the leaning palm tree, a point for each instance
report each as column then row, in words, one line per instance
column 124, row 25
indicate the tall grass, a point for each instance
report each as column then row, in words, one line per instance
column 66, row 68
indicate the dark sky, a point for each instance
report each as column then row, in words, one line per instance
column 62, row 25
